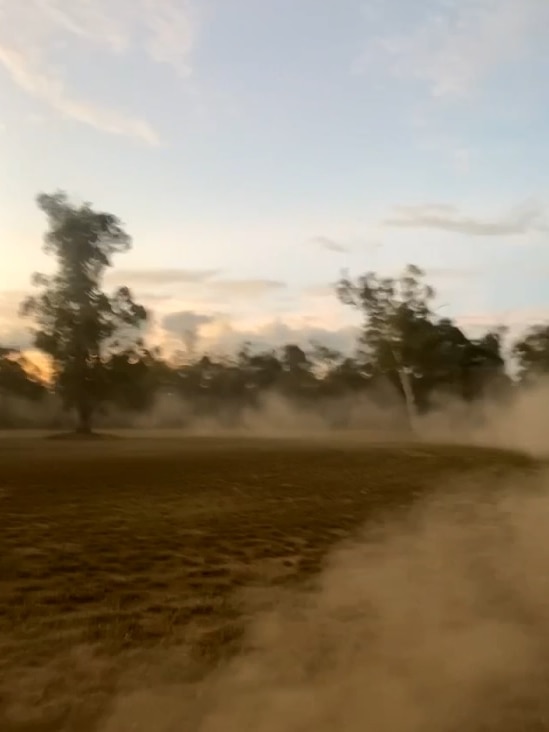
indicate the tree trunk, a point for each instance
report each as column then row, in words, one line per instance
column 408, row 398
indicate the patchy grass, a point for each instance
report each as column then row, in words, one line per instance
column 109, row 548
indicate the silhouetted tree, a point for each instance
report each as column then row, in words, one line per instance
column 132, row 378
column 77, row 324
column 397, row 319
column 419, row 353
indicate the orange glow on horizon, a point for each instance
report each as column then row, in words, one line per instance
column 38, row 365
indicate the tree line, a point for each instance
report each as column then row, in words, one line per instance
column 95, row 344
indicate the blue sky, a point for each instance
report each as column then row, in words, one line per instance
column 254, row 149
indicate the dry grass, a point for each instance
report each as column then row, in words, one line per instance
column 107, row 548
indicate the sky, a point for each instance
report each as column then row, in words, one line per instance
column 257, row 149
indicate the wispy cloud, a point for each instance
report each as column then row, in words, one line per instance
column 33, row 32
column 250, row 288
column 50, row 89
column 331, row 245
column 522, row 220
column 276, row 333
column 516, row 321
column 162, row 277
column 171, row 26
column 204, row 283
column 457, row 46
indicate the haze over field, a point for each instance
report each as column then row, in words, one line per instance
column 437, row 622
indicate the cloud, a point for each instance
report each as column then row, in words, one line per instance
column 523, row 220
column 191, row 305
column 51, row 90
column 457, row 46
column 162, row 277
column 520, row 317
column 279, row 333
column 203, row 279
column 324, row 242
column 172, row 27
column 249, row 288
column 186, row 325
column 219, row 330
column 185, row 320
column 227, row 336
column 516, row 321
column 32, row 34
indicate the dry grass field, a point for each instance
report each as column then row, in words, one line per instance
column 111, row 548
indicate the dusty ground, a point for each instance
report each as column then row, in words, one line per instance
column 115, row 548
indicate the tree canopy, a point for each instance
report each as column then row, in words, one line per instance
column 404, row 340
column 77, row 324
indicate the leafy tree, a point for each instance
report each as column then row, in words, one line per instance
column 261, row 369
column 397, row 319
column 325, row 359
column 453, row 363
column 132, row 378
column 419, row 353
column 395, row 311
column 76, row 323
column 297, row 378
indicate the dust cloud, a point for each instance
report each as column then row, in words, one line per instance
column 519, row 421
column 274, row 416
column 437, row 620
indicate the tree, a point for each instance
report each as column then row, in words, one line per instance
column 419, row 353
column 296, row 378
column 261, row 369
column 396, row 325
column 77, row 324
column 132, row 378
column 457, row 365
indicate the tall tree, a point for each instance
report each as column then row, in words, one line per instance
column 397, row 318
column 76, row 323
column 419, row 353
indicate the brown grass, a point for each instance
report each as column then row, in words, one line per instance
column 107, row 549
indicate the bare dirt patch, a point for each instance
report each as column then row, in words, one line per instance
column 108, row 550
